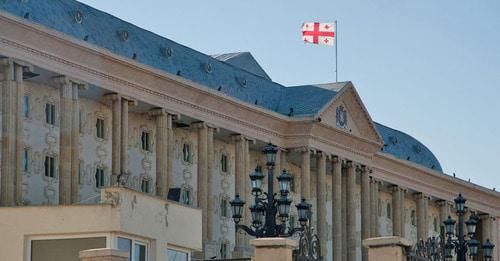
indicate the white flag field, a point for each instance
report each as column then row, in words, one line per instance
column 319, row 33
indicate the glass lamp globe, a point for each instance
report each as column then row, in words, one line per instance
column 471, row 225
column 284, row 208
column 449, row 226
column 460, row 203
column 303, row 210
column 256, row 178
column 257, row 212
column 270, row 151
column 473, row 245
column 284, row 182
column 488, row 250
column 237, row 208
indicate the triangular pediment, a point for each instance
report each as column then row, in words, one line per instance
column 347, row 112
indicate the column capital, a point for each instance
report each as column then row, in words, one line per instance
column 398, row 188
column 302, row 149
column 7, row 63
column 241, row 137
column 131, row 101
column 348, row 164
column 419, row 195
column 61, row 80
column 335, row 159
column 111, row 96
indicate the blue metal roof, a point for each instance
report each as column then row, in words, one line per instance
column 405, row 147
column 248, row 84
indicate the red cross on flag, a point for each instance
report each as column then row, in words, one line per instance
column 319, row 33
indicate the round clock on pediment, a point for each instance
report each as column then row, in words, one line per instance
column 341, row 117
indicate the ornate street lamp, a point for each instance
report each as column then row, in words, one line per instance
column 461, row 244
column 266, row 208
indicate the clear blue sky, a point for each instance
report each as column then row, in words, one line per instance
column 429, row 68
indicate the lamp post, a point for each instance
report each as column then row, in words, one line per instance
column 461, row 244
column 266, row 208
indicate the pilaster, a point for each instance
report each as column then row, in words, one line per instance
column 126, row 102
column 397, row 211
column 422, row 224
column 365, row 207
column 337, row 209
column 374, row 206
column 9, row 163
column 162, row 122
column 305, row 169
column 240, row 175
column 351, row 211
column 116, row 129
column 321, row 202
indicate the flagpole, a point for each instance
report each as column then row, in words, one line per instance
column 336, row 62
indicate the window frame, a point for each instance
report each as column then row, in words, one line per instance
column 188, row 146
column 178, row 249
column 133, row 242
column 148, row 188
column 146, row 144
column 26, row 110
column 224, row 163
column 102, row 180
column 50, row 113
column 51, row 168
column 100, row 127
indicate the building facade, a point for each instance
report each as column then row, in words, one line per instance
column 89, row 101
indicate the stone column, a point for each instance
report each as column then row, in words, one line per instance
column 126, row 103
column 422, row 225
column 75, row 140
column 305, row 176
column 116, row 129
column 486, row 228
column 397, row 211
column 344, row 210
column 171, row 148
column 202, row 174
column 321, row 203
column 337, row 209
column 210, row 179
column 240, row 175
column 373, row 207
column 18, row 77
column 8, row 161
column 66, row 100
column 351, row 211
column 124, row 138
column 162, row 127
column 365, row 208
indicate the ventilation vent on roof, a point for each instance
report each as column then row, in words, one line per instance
column 78, row 17
column 134, row 56
column 208, row 67
column 123, row 35
column 179, row 73
column 27, row 15
column 86, row 38
column 241, row 81
column 167, row 52
column 220, row 88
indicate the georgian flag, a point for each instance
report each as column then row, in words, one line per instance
column 319, row 33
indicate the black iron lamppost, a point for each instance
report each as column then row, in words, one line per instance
column 461, row 245
column 266, row 208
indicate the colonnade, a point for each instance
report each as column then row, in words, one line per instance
column 344, row 172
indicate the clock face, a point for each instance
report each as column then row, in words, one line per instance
column 341, row 117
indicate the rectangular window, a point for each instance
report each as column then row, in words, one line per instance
column 176, row 255
column 26, row 106
column 186, row 196
column 26, row 160
column 139, row 251
column 223, row 163
column 50, row 114
column 145, row 141
column 145, row 185
column 99, row 125
column 80, row 173
column 99, row 178
column 186, row 153
column 49, row 166
column 388, row 210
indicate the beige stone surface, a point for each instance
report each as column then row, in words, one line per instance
column 103, row 254
column 273, row 249
column 386, row 248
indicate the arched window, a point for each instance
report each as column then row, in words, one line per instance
column 186, row 152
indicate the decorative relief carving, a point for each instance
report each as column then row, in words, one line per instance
column 112, row 198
